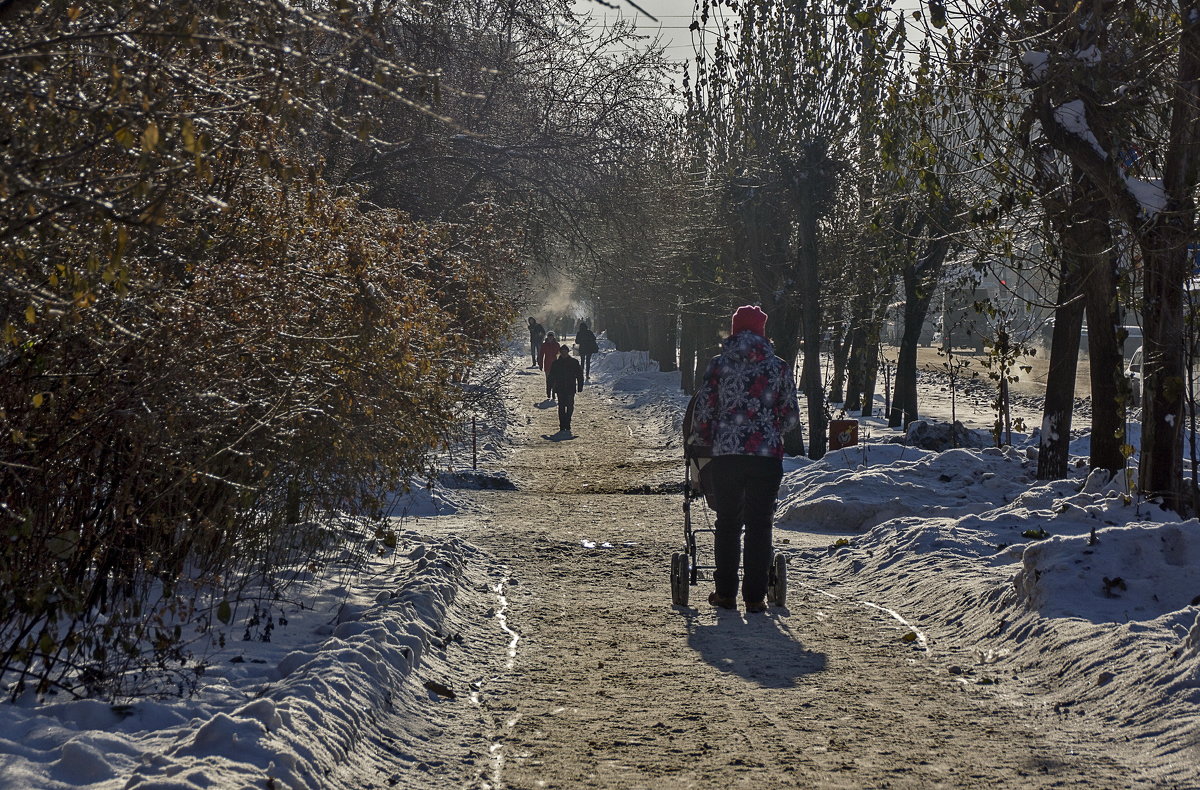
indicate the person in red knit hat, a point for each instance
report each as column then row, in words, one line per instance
column 746, row 403
column 749, row 318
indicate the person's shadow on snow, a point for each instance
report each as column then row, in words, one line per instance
column 548, row 403
column 760, row 648
column 561, row 436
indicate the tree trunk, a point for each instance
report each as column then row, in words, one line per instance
column 708, row 345
column 1110, row 388
column 920, row 281
column 860, row 326
column 871, row 364
column 810, row 290
column 687, row 351
column 855, row 370
column 841, row 351
column 1164, row 246
column 783, row 327
column 870, row 375
column 1053, row 450
column 672, row 339
column 639, row 331
column 1160, row 468
column 661, row 340
column 904, row 391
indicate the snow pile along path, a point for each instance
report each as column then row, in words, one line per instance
column 346, row 688
column 1007, row 582
column 631, row 380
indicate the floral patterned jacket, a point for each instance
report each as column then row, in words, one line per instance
column 747, row 401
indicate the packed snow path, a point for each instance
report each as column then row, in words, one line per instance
column 612, row 687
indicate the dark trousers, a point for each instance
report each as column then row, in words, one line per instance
column 534, row 347
column 586, row 361
column 566, row 407
column 549, row 389
column 745, row 487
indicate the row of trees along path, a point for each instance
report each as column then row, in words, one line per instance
column 927, row 157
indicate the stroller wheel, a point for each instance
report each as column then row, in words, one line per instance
column 777, row 581
column 680, row 578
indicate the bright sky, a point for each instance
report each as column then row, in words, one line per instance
column 673, row 17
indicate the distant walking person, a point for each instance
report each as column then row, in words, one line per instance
column 746, row 403
column 566, row 377
column 546, row 356
column 537, row 333
column 586, row 340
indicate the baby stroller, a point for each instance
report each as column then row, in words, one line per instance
column 685, row 566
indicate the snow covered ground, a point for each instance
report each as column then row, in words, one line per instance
column 342, row 683
column 633, row 380
column 1074, row 588
column 344, row 679
column 1075, row 594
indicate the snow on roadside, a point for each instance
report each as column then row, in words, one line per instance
column 1003, row 577
column 354, row 671
column 633, row 380
column 359, row 667
column 890, row 480
column 425, row 500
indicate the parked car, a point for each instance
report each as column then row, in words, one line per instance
column 1133, row 372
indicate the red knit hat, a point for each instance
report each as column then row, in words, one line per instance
column 749, row 317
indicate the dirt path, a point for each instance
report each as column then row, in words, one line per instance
column 612, row 687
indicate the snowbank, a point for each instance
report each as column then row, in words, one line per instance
column 633, row 380
column 886, row 481
column 424, row 499
column 1008, row 584
column 353, row 667
column 1133, row 572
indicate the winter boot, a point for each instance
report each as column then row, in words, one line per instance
column 721, row 601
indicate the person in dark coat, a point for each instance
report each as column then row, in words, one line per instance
column 746, row 403
column 586, row 340
column 546, row 357
column 537, row 333
column 566, row 377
